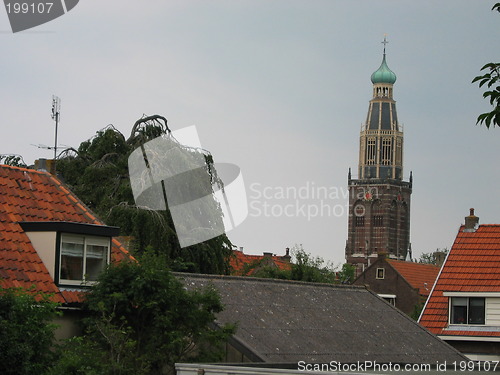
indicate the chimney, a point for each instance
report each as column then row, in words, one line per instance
column 267, row 254
column 471, row 222
column 46, row 165
column 286, row 257
column 382, row 255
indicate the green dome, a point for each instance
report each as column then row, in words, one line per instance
column 383, row 74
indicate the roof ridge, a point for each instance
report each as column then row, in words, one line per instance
column 24, row 169
column 64, row 188
column 76, row 200
column 269, row 280
column 413, row 263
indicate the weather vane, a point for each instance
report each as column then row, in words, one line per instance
column 384, row 42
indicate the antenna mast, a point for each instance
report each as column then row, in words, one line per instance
column 56, row 112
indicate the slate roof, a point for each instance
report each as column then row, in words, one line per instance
column 418, row 275
column 239, row 261
column 473, row 265
column 33, row 196
column 284, row 321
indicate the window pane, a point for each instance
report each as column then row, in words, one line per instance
column 476, row 310
column 459, row 310
column 380, row 273
column 71, row 261
column 96, row 261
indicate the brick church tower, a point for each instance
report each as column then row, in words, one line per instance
column 379, row 199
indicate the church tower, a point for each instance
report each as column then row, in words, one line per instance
column 379, row 199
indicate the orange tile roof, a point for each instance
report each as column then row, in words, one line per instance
column 27, row 195
column 239, row 260
column 473, row 265
column 418, row 275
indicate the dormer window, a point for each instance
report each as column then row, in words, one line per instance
column 82, row 258
column 467, row 310
column 74, row 253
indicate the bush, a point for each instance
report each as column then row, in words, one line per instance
column 142, row 321
column 26, row 331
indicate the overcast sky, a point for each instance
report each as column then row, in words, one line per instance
column 279, row 88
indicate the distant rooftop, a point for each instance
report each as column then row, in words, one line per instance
column 283, row 321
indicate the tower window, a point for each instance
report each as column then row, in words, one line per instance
column 371, row 151
column 386, row 151
column 359, row 221
column 378, row 221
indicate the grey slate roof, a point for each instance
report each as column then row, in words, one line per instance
column 286, row 322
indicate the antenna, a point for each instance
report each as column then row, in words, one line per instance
column 56, row 113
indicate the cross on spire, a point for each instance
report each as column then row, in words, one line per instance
column 384, row 42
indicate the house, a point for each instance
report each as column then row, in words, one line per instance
column 404, row 284
column 464, row 306
column 242, row 264
column 50, row 241
column 285, row 322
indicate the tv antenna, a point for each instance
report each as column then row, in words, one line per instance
column 56, row 114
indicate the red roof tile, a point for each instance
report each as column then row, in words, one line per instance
column 419, row 275
column 28, row 195
column 473, row 265
column 244, row 264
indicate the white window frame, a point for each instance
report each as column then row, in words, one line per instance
column 450, row 308
column 390, row 298
column 86, row 240
column 383, row 273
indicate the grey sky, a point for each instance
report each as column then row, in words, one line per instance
column 279, row 88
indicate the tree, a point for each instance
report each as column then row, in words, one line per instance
column 346, row 274
column 13, row 160
column 97, row 172
column 492, row 80
column 304, row 267
column 26, row 331
column 436, row 257
column 142, row 320
column 309, row 268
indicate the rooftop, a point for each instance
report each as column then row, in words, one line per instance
column 245, row 265
column 283, row 321
column 418, row 275
column 32, row 196
column 383, row 74
column 473, row 265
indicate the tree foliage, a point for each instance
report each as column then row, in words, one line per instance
column 305, row 267
column 347, row 273
column 26, row 332
column 97, row 172
column 435, row 257
column 13, row 160
column 491, row 80
column 142, row 320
